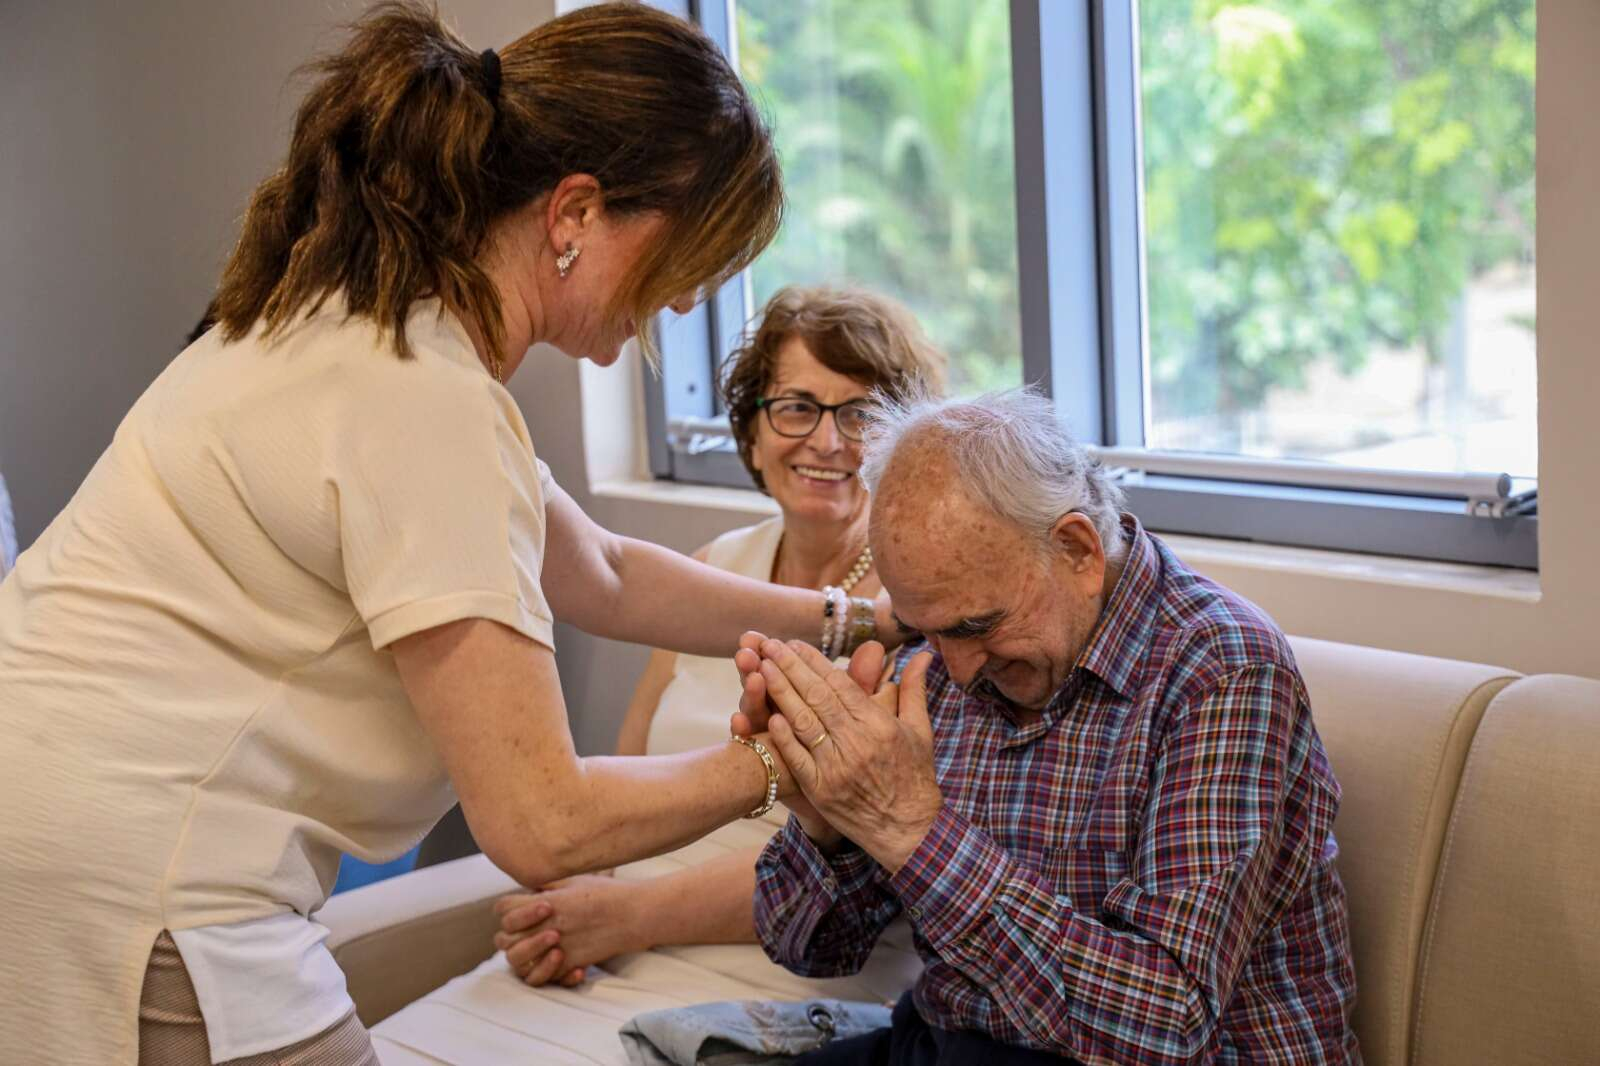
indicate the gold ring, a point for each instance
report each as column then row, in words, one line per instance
column 812, row 744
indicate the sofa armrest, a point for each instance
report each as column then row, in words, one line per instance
column 399, row 939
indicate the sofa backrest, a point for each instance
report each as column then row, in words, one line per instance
column 1397, row 729
column 1511, row 963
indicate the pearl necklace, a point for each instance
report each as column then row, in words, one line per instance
column 858, row 571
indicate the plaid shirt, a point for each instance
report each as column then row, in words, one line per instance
column 1144, row 875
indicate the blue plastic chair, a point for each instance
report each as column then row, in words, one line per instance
column 353, row 873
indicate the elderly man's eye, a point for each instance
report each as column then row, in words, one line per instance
column 973, row 628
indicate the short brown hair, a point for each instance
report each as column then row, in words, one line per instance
column 867, row 337
column 404, row 155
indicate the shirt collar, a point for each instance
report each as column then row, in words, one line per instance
column 1117, row 645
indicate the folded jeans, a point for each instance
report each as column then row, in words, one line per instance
column 736, row 1033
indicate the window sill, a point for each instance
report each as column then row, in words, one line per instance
column 1205, row 553
column 1502, row 583
column 683, row 494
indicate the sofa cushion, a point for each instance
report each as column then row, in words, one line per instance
column 1511, row 963
column 1397, row 729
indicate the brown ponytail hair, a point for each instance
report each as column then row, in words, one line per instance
column 401, row 161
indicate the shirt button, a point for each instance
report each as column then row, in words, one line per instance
column 916, row 914
column 830, row 885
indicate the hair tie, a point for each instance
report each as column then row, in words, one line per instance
column 489, row 59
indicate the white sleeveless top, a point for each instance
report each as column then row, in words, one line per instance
column 696, row 704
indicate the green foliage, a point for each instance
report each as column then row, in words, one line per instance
column 893, row 118
column 1323, row 177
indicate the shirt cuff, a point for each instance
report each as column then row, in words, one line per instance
column 949, row 880
column 797, row 887
column 831, row 876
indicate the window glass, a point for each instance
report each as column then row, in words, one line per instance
column 1339, row 227
column 893, row 119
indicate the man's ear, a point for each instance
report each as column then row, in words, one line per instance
column 573, row 207
column 1075, row 536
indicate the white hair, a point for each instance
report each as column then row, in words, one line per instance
column 1012, row 454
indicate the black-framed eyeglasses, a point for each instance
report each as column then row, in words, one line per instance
column 796, row 416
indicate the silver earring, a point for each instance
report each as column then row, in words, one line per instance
column 565, row 260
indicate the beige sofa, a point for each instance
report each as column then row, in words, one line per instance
column 1470, row 848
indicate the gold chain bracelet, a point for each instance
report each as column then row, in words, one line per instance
column 772, row 773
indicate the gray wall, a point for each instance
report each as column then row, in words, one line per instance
column 131, row 135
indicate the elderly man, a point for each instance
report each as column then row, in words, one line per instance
column 1101, row 801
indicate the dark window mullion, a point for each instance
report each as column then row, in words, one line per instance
column 1120, row 220
column 730, row 305
column 1057, row 260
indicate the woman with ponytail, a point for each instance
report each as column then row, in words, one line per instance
column 304, row 601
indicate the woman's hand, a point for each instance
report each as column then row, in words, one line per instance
column 553, row 935
column 865, row 761
column 869, row 667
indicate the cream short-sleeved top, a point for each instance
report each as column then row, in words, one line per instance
column 197, row 713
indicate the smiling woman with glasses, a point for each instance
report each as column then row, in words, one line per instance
column 798, row 416
column 811, row 364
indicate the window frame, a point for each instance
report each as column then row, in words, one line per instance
column 1078, row 170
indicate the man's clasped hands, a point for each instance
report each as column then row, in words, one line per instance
column 856, row 754
column 858, row 745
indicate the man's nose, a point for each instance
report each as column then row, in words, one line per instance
column 962, row 658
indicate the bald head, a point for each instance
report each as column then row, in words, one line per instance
column 926, row 525
column 1009, row 449
column 989, row 546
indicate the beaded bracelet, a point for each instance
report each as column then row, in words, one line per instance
column 827, row 620
column 835, row 621
column 771, row 796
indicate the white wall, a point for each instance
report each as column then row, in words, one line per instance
column 132, row 134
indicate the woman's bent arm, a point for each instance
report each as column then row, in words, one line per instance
column 491, row 701
column 626, row 589
column 634, row 734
